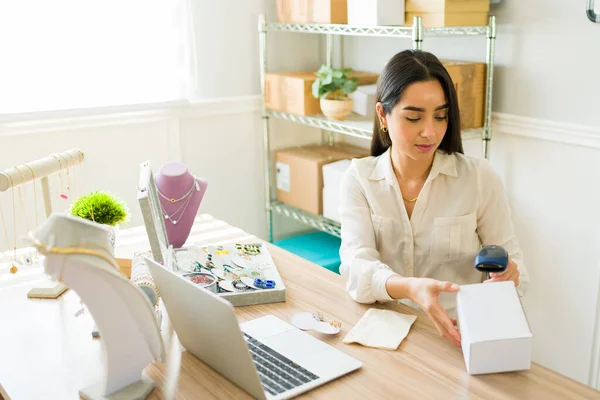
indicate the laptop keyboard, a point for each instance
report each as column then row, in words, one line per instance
column 277, row 373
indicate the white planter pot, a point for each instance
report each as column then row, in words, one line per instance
column 336, row 110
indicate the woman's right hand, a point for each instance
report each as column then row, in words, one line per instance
column 425, row 292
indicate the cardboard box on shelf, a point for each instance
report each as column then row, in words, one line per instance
column 469, row 82
column 434, row 20
column 448, row 12
column 363, row 100
column 448, row 6
column 292, row 91
column 299, row 179
column 347, row 150
column 376, row 12
column 299, row 173
column 312, row 11
column 495, row 335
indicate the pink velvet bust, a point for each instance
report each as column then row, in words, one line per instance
column 180, row 195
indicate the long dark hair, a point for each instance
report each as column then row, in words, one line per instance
column 405, row 68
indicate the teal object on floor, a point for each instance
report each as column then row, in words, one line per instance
column 319, row 247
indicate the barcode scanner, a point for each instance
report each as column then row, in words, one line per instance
column 491, row 259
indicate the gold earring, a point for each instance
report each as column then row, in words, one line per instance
column 382, row 127
column 336, row 324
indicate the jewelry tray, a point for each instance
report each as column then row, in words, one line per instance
column 229, row 263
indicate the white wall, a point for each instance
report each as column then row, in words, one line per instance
column 547, row 64
column 212, row 139
column 549, row 61
column 227, row 47
column 554, row 197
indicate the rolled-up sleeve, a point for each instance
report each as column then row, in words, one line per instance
column 494, row 220
column 365, row 275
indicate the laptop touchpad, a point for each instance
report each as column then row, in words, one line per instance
column 264, row 327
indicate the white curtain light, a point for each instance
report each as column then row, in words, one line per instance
column 73, row 54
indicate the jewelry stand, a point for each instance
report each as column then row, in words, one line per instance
column 42, row 169
column 147, row 195
column 130, row 334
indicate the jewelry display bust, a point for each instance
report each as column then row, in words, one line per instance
column 180, row 194
column 77, row 253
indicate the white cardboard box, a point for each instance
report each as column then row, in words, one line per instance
column 494, row 330
column 331, row 203
column 334, row 172
column 332, row 178
column 376, row 12
column 363, row 100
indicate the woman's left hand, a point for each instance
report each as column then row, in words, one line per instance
column 511, row 273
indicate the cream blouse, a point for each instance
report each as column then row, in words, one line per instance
column 461, row 207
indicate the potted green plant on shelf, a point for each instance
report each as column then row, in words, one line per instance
column 332, row 87
column 103, row 208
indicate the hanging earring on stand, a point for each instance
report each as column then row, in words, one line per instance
column 30, row 258
column 74, row 174
column 62, row 189
column 68, row 174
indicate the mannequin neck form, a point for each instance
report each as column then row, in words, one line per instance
column 174, row 180
column 180, row 195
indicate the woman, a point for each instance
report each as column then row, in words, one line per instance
column 416, row 212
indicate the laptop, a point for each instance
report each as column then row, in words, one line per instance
column 267, row 357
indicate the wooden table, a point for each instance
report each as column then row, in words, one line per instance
column 46, row 352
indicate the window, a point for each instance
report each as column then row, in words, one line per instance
column 69, row 54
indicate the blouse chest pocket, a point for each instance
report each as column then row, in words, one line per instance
column 453, row 238
column 389, row 236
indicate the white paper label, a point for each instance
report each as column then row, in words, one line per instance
column 283, row 176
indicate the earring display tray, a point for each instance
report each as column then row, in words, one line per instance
column 245, row 273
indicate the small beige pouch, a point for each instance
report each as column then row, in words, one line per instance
column 382, row 329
